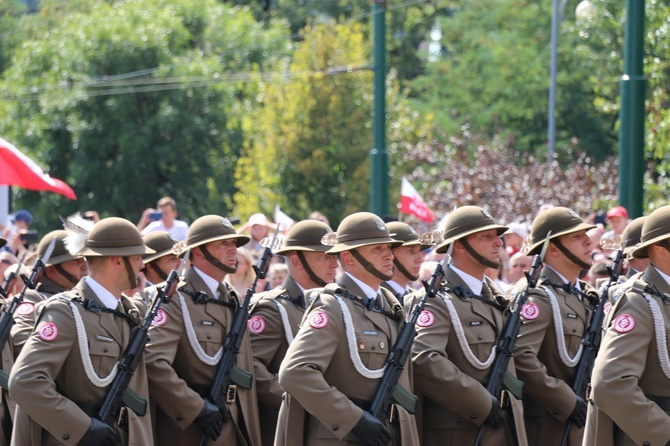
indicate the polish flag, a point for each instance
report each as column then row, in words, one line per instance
column 16, row 169
column 412, row 203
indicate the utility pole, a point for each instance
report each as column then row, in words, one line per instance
column 632, row 113
column 379, row 178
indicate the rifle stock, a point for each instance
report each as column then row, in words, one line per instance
column 119, row 391
column 592, row 338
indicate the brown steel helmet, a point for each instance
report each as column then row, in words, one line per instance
column 632, row 234
column 655, row 229
column 358, row 230
column 60, row 253
column 212, row 228
column 162, row 242
column 465, row 221
column 409, row 237
column 304, row 236
column 560, row 221
column 115, row 236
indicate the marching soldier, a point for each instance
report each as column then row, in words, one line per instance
column 64, row 370
column 63, row 271
column 7, row 406
column 158, row 265
column 456, row 339
column 407, row 259
column 276, row 315
column 333, row 366
column 555, row 317
column 186, row 344
column 631, row 237
column 631, row 375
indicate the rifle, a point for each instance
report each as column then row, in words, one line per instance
column 499, row 376
column 7, row 318
column 389, row 391
column 119, row 392
column 592, row 338
column 5, row 286
column 227, row 370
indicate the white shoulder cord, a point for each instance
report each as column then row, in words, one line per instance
column 560, row 334
column 353, row 348
column 190, row 334
column 462, row 340
column 85, row 353
column 661, row 340
column 285, row 322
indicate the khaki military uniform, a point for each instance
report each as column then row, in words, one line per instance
column 325, row 390
column 56, row 397
column 179, row 379
column 631, row 390
column 549, row 399
column 24, row 317
column 8, row 406
column 271, row 329
column 455, row 399
column 399, row 296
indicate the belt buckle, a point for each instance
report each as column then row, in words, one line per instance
column 231, row 394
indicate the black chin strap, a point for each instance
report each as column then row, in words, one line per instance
column 131, row 274
column 403, row 270
column 162, row 274
column 210, row 258
column 368, row 266
column 69, row 277
column 478, row 257
column 573, row 258
column 312, row 275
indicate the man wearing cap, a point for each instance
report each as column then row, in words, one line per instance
column 555, row 318
column 277, row 313
column 186, row 342
column 158, row 265
column 617, row 218
column 456, row 338
column 63, row 271
column 631, row 375
column 407, row 259
column 333, row 367
column 66, row 366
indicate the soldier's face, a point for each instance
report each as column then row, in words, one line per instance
column 225, row 251
column 380, row 256
column 323, row 265
column 579, row 244
column 168, row 263
column 136, row 264
column 486, row 243
column 411, row 257
column 77, row 267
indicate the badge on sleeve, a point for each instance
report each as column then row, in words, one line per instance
column 624, row 323
column 318, row 320
column 256, row 325
column 25, row 308
column 426, row 319
column 48, row 332
column 160, row 318
column 607, row 307
column 530, row 311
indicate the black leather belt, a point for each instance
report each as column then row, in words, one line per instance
column 203, row 391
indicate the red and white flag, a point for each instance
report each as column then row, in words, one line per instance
column 412, row 203
column 16, row 169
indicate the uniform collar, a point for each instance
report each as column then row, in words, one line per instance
column 472, row 282
column 663, row 275
column 365, row 288
column 397, row 289
column 560, row 276
column 211, row 283
column 107, row 298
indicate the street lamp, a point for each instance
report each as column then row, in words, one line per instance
column 556, row 18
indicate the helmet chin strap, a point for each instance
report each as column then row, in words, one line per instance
column 132, row 278
column 69, row 277
column 478, row 257
column 310, row 272
column 154, row 265
column 403, row 270
column 214, row 261
column 368, row 266
column 573, row 258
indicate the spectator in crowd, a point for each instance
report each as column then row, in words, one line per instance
column 6, row 260
column 277, row 274
column 258, row 227
column 243, row 277
column 617, row 219
column 163, row 218
column 316, row 215
column 518, row 263
column 514, row 237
